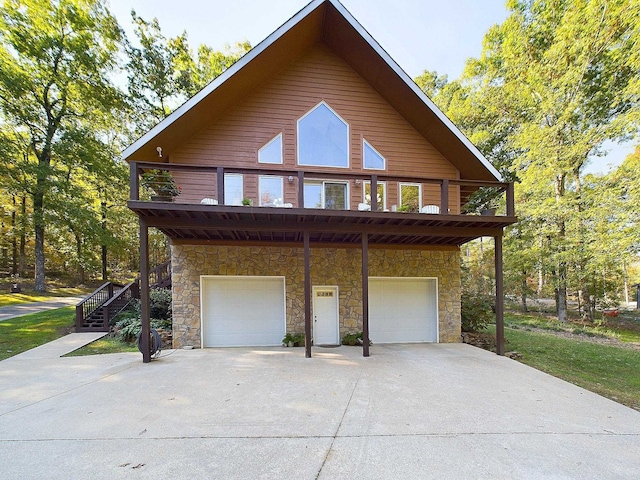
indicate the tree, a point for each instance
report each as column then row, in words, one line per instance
column 55, row 58
column 164, row 72
column 559, row 78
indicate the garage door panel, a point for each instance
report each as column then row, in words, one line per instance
column 403, row 310
column 242, row 311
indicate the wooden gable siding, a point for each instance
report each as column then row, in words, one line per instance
column 235, row 138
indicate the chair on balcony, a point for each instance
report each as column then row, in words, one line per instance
column 209, row 201
column 434, row 209
column 364, row 207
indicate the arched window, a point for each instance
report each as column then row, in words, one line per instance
column 323, row 138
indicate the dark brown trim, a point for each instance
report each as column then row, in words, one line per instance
column 144, row 291
column 334, row 227
column 134, row 182
column 235, row 243
column 499, row 296
column 220, row 179
column 307, row 296
column 365, row 295
column 444, row 197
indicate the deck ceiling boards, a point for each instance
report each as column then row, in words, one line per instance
column 238, row 224
column 326, row 24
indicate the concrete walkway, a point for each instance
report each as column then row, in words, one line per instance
column 60, row 346
column 13, row 311
column 447, row 411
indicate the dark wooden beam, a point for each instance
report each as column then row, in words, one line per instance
column 144, row 292
column 307, row 295
column 220, row 181
column 365, row 295
column 374, row 193
column 499, row 296
column 444, row 197
column 295, row 226
column 134, row 182
column 300, row 189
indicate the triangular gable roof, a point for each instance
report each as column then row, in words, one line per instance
column 326, row 21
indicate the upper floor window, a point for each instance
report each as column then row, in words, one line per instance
column 372, row 158
column 326, row 194
column 270, row 191
column 272, row 151
column 323, row 138
column 233, row 192
column 410, row 197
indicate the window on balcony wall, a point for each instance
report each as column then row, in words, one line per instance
column 270, row 191
column 323, row 138
column 410, row 197
column 325, row 194
column 381, row 197
column 233, row 193
column 372, row 158
column 272, row 151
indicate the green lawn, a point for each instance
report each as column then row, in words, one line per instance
column 7, row 299
column 613, row 372
column 20, row 334
column 104, row 345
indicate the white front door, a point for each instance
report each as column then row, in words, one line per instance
column 325, row 316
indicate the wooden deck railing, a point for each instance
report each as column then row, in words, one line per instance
column 464, row 188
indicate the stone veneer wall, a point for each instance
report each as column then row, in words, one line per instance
column 329, row 266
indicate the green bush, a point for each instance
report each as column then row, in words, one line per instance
column 352, row 338
column 129, row 328
column 477, row 312
column 128, row 324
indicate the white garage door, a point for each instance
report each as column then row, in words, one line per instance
column 242, row 311
column 403, row 310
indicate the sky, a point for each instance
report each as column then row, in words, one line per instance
column 418, row 34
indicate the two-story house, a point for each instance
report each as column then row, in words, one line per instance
column 321, row 193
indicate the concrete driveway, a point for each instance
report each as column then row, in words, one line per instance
column 409, row 411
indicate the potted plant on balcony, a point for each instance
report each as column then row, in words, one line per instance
column 162, row 185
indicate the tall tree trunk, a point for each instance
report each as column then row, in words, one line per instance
column 14, row 239
column 561, row 295
column 44, row 162
column 38, row 224
column 81, row 272
column 523, row 294
column 23, row 237
column 103, row 247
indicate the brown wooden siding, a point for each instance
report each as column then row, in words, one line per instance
column 234, row 139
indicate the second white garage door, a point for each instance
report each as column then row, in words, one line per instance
column 403, row 310
column 242, row 311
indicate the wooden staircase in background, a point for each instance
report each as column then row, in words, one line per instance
column 95, row 312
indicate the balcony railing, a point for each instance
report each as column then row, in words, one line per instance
column 206, row 185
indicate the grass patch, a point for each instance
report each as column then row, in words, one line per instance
column 610, row 371
column 8, row 299
column 106, row 344
column 23, row 333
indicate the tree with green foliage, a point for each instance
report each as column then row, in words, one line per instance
column 554, row 82
column 164, row 72
column 55, row 61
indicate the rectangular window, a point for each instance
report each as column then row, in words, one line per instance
column 270, row 191
column 381, row 197
column 233, row 193
column 410, row 197
column 329, row 195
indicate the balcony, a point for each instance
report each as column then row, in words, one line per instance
column 334, row 208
